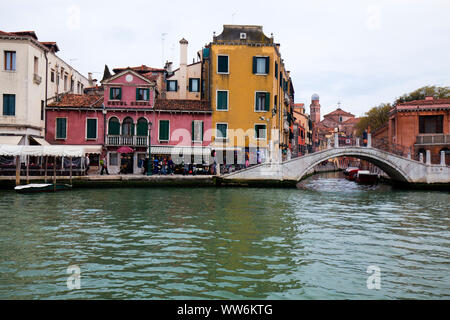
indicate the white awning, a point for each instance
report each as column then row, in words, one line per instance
column 41, row 141
column 10, row 139
column 177, row 150
column 90, row 148
column 50, row 150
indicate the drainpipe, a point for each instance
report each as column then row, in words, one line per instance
column 45, row 104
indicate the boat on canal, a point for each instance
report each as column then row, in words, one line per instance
column 366, row 177
column 42, row 187
column 350, row 173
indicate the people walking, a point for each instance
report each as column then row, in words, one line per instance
column 104, row 166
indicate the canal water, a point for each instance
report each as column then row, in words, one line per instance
column 315, row 242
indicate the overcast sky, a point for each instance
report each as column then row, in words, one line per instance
column 360, row 52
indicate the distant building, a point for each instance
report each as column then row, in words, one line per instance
column 31, row 75
column 339, row 121
column 421, row 125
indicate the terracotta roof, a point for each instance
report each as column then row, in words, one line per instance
column 352, row 121
column 141, row 69
column 298, row 105
column 182, row 105
column 51, row 45
column 339, row 112
column 425, row 102
column 79, row 100
column 20, row 33
column 150, row 76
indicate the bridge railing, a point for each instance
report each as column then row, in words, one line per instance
column 398, row 149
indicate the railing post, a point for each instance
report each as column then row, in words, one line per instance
column 369, row 140
column 409, row 155
column 428, row 157
column 336, row 140
column 357, row 142
column 421, row 157
column 328, row 143
column 442, row 158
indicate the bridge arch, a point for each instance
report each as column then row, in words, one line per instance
column 377, row 157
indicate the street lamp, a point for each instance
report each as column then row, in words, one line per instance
column 150, row 162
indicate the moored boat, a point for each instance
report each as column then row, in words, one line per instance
column 346, row 171
column 352, row 174
column 366, row 177
column 42, row 187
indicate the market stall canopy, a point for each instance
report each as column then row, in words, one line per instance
column 50, row 150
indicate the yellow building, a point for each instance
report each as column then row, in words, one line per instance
column 250, row 91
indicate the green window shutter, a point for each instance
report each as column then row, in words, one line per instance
column 276, row 69
column 193, row 129
column 142, row 128
column 164, row 130
column 61, row 126
column 267, row 64
column 148, row 94
column 267, row 105
column 202, row 132
column 110, row 93
column 190, row 84
column 256, row 101
column 222, row 100
column 114, row 127
column 254, row 65
column 223, row 64
column 91, row 129
column 120, row 93
column 176, row 85
column 137, row 94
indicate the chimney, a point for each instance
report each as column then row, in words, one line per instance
column 182, row 80
column 91, row 82
column 168, row 67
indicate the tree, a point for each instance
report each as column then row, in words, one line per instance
column 375, row 118
column 421, row 93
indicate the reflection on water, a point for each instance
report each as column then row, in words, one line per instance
column 314, row 242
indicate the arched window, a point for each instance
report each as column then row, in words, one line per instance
column 114, row 126
column 128, row 127
column 142, row 127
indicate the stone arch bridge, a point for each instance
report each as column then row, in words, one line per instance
column 399, row 169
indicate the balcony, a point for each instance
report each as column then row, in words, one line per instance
column 429, row 139
column 135, row 141
column 37, row 79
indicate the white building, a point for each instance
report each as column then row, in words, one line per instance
column 31, row 74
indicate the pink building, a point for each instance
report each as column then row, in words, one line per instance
column 125, row 116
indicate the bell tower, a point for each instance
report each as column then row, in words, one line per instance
column 314, row 108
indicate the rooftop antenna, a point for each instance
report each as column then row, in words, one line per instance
column 172, row 48
column 232, row 18
column 162, row 45
column 339, row 103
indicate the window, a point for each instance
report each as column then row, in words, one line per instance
column 10, row 60
column 260, row 65
column 52, row 76
column 72, row 85
column 61, row 128
column 222, row 64
column 142, row 94
column 222, row 100
column 142, row 127
column 276, row 70
column 164, row 130
column 221, row 130
column 260, row 131
column 197, row 130
column 115, row 94
column 42, row 109
column 172, row 85
column 113, row 126
column 9, row 104
column 431, row 124
column 65, row 82
column 91, row 128
column 262, row 101
column 36, row 65
column 281, row 79
column 113, row 159
column 194, row 85
column 128, row 127
column 340, row 118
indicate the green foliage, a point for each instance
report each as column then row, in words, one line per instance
column 375, row 118
column 427, row 91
